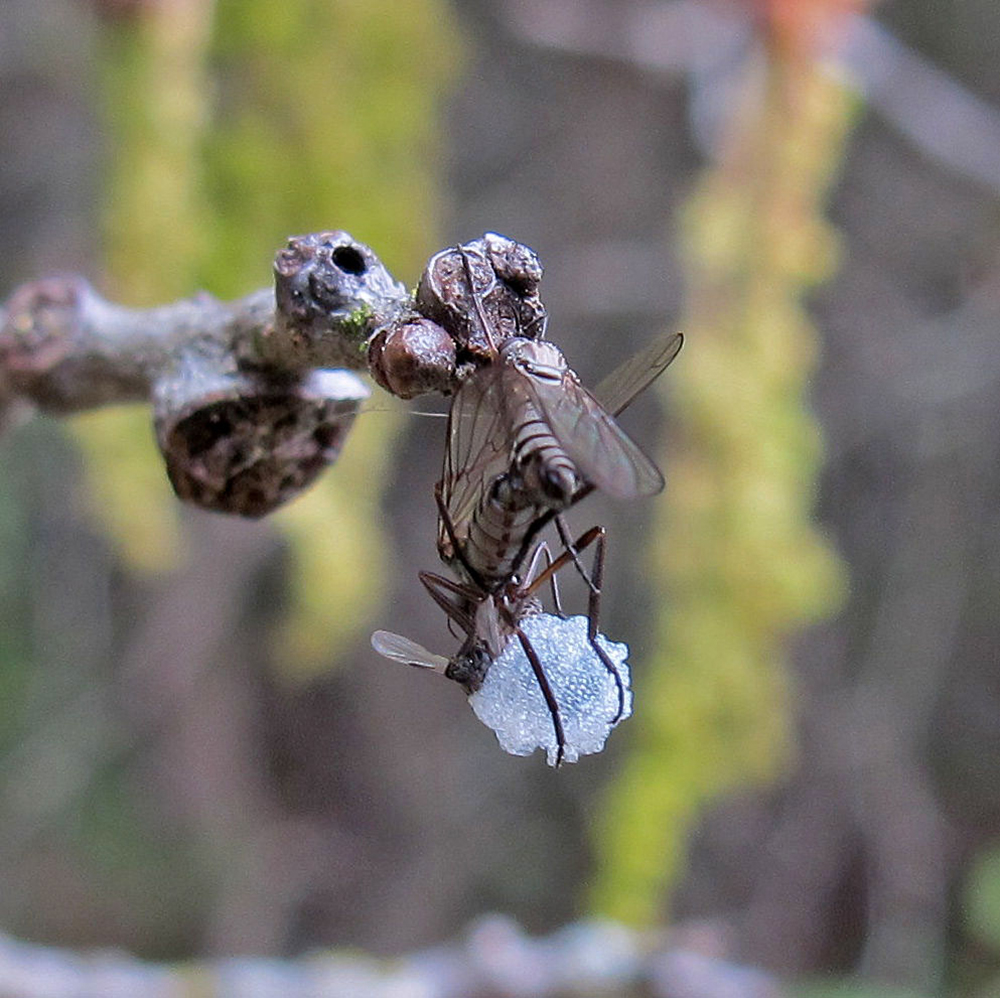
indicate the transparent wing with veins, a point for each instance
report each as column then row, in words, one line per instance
column 616, row 392
column 400, row 649
column 604, row 454
column 480, row 437
column 477, row 449
column 584, row 424
column 481, row 430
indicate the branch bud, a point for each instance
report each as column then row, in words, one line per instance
column 331, row 291
column 503, row 275
column 411, row 357
column 246, row 443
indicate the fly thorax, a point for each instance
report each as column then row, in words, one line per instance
column 538, row 359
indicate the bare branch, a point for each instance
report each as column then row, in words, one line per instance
column 66, row 349
column 246, row 411
column 252, row 399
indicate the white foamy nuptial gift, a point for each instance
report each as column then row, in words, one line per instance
column 511, row 702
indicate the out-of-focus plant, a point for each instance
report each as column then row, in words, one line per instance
column 851, row 989
column 981, row 908
column 736, row 551
column 233, row 125
column 156, row 224
column 982, row 899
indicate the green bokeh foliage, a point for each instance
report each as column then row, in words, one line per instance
column 736, row 549
column 231, row 126
column 230, row 133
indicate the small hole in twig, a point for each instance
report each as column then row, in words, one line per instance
column 349, row 260
column 520, row 284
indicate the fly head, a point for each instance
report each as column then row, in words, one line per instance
column 469, row 667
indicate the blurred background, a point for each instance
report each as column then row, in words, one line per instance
column 199, row 752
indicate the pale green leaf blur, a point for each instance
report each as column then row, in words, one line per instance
column 235, row 127
column 736, row 549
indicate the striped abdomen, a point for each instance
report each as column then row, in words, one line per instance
column 548, row 478
column 497, row 530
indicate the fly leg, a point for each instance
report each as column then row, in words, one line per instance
column 574, row 549
column 542, row 551
column 550, row 697
column 457, row 601
column 477, row 300
column 594, row 612
column 595, row 578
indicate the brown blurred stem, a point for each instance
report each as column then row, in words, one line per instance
column 65, row 349
column 251, row 399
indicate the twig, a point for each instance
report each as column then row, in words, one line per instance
column 252, row 399
column 246, row 415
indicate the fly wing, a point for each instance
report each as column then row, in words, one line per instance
column 616, row 392
column 482, row 425
column 583, row 422
column 478, row 448
column 602, row 451
column 400, row 649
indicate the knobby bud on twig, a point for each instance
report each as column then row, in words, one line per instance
column 253, row 398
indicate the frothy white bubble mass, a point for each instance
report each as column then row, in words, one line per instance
column 510, row 701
